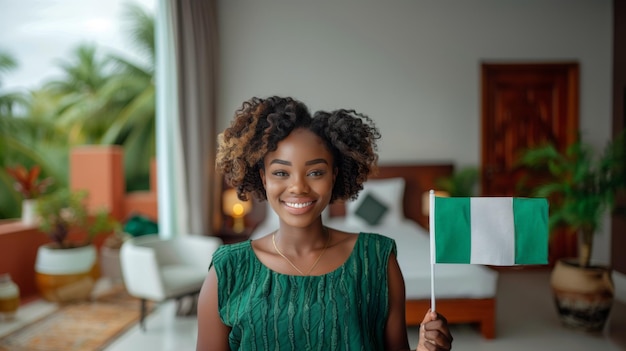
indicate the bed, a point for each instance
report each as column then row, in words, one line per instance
column 391, row 204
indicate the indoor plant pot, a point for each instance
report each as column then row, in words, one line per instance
column 29, row 216
column 66, row 274
column 583, row 295
column 66, row 270
column 9, row 297
column 580, row 188
column 110, row 265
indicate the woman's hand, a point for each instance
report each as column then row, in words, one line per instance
column 434, row 333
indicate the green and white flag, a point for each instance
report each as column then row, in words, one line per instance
column 499, row 231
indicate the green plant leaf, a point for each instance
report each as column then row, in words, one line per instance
column 581, row 186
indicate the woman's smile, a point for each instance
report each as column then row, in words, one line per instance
column 298, row 204
column 298, row 208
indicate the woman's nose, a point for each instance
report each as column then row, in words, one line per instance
column 299, row 185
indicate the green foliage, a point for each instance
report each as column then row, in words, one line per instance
column 461, row 183
column 99, row 99
column 581, row 187
column 7, row 63
column 23, row 141
column 139, row 25
column 63, row 210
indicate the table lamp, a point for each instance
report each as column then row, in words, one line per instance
column 235, row 208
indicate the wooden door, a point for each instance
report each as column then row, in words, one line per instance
column 526, row 105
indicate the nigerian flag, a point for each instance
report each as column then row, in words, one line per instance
column 500, row 231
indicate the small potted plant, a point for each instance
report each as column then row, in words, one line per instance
column 28, row 184
column 462, row 183
column 67, row 270
column 110, row 255
column 581, row 188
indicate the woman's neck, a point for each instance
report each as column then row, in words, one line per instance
column 299, row 241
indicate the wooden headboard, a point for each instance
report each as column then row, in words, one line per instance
column 419, row 178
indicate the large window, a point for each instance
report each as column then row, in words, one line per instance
column 75, row 72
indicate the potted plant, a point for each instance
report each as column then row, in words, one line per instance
column 67, row 270
column 28, row 184
column 461, row 183
column 581, row 187
column 110, row 255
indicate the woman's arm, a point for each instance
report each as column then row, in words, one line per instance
column 434, row 332
column 395, row 328
column 212, row 332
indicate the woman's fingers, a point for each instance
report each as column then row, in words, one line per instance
column 434, row 333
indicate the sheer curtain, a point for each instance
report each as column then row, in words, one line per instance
column 188, row 188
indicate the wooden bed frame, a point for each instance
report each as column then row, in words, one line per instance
column 419, row 179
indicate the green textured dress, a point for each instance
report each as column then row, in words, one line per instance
column 345, row 309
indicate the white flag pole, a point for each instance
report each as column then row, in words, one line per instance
column 431, row 226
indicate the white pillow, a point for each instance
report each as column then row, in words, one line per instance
column 389, row 192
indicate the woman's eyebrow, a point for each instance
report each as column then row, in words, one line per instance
column 316, row 161
column 282, row 162
column 307, row 163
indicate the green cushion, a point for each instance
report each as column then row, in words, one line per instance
column 371, row 210
column 139, row 225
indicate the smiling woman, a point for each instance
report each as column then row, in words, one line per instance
column 349, row 284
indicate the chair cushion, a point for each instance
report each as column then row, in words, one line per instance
column 182, row 279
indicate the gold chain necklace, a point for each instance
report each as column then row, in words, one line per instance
column 291, row 263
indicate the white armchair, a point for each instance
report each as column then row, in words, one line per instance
column 157, row 269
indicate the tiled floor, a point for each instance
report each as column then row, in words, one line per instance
column 526, row 320
column 164, row 331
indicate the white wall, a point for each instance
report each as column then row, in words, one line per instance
column 412, row 65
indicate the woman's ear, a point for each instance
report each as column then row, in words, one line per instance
column 262, row 174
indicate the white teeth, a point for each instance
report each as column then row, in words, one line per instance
column 298, row 204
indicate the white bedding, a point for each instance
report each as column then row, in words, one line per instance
column 451, row 280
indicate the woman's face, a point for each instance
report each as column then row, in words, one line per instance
column 299, row 178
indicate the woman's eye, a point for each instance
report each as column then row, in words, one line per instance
column 280, row 173
column 317, row 173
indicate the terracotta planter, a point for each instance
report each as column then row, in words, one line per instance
column 583, row 296
column 64, row 275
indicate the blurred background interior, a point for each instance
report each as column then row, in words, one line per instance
column 124, row 100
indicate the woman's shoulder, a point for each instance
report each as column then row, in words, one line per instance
column 364, row 239
column 376, row 237
column 229, row 251
column 374, row 242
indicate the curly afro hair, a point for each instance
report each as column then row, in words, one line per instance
column 260, row 124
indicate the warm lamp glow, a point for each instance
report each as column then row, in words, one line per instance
column 426, row 200
column 238, row 210
column 234, row 207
